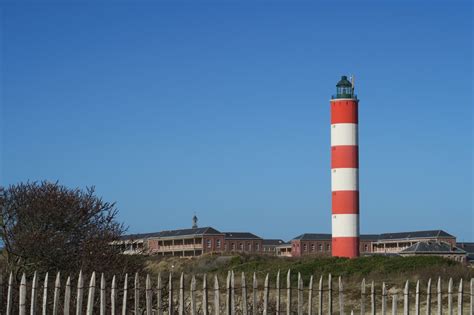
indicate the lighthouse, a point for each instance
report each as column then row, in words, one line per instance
column 345, row 170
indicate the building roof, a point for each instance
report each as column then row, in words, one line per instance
column 370, row 237
column 415, row 234
column 432, row 248
column 173, row 233
column 313, row 237
column 241, row 236
column 467, row 246
column 272, row 242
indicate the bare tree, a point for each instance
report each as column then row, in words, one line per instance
column 48, row 227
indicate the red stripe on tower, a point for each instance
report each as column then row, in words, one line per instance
column 345, row 170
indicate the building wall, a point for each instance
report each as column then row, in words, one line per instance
column 310, row 248
column 243, row 246
column 213, row 243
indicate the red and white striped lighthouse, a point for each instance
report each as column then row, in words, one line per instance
column 345, row 170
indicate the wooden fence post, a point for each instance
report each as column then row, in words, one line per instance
column 330, row 294
column 136, row 293
column 362, row 297
column 384, row 299
column 90, row 297
column 228, row 296
column 205, row 307
column 79, row 293
column 472, row 296
column 372, row 298
column 181, row 294
column 57, row 287
column 265, row 296
column 159, row 296
column 113, row 297
column 310, row 296
column 148, row 296
column 216, row 296
column 102, row 294
column 440, row 297
column 125, row 291
column 170, row 295
column 320, row 296
column 22, row 306
column 417, row 298
column 460, row 298
column 300, row 294
column 450, row 296
column 428, row 297
column 9, row 294
column 45, row 294
column 394, row 304
column 288, row 292
column 341, row 297
column 254, row 292
column 406, row 301
column 34, row 298
column 277, row 294
column 244, row 295
column 67, row 297
column 193, row 296
column 232, row 293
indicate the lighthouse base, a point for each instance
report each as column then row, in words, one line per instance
column 345, row 247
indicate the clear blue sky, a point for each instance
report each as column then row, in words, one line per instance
column 222, row 108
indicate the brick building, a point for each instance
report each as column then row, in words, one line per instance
column 270, row 246
column 394, row 243
column 242, row 242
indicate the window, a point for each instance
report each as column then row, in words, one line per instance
column 257, row 247
column 233, row 246
column 328, row 247
column 305, row 247
column 312, row 247
column 241, row 245
column 209, row 243
column 218, row 243
column 320, row 247
column 366, row 247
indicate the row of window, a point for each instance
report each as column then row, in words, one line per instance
column 313, row 247
column 233, row 245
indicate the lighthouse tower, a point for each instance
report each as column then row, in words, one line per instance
column 345, row 170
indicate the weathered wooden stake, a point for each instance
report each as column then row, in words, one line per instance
column 232, row 293
column 136, row 293
column 193, row 296
column 362, row 297
column 57, row 287
column 330, row 294
column 440, row 297
column 244, row 294
column 372, row 298
column 460, row 297
column 34, row 293
column 472, row 297
column 181, row 294
column 205, row 307
column 159, row 296
column 277, row 294
column 394, row 304
column 80, row 293
column 125, row 291
column 45, row 294
column 310, row 296
column 228, row 296
column 450, row 296
column 406, row 301
column 341, row 297
column 90, row 297
column 67, row 297
column 288, row 292
column 102, row 294
column 9, row 295
column 428, row 297
column 265, row 296
column 148, row 295
column 320, row 296
column 254, row 294
column 384, row 299
column 170, row 295
column 113, row 297
column 216, row 296
column 22, row 306
column 417, row 298
column 300, row 294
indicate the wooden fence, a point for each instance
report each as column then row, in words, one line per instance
column 182, row 295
